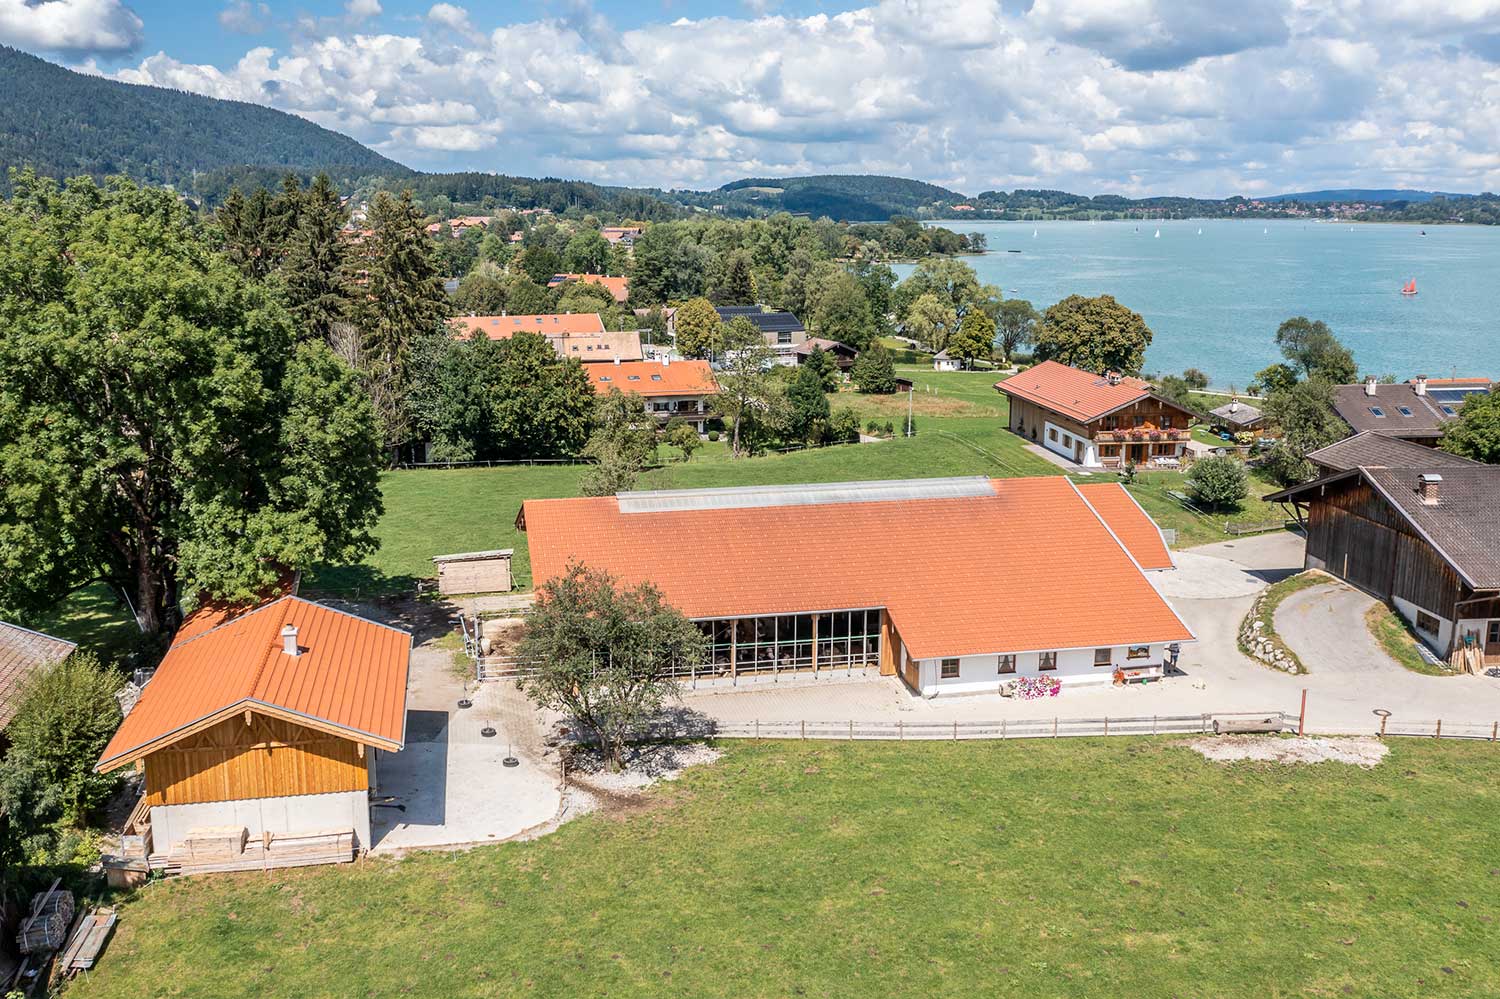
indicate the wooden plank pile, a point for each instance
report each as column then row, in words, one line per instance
column 332, row 846
column 214, row 844
column 46, row 928
column 87, row 940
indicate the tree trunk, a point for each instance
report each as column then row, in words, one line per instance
column 735, row 449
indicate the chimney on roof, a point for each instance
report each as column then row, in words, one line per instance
column 289, row 641
column 1419, row 383
column 617, row 358
column 1370, row 382
column 666, row 359
column 1113, row 377
column 1428, row 487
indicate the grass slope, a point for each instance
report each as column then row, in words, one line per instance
column 1097, row 868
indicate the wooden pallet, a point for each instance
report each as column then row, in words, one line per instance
column 88, row 940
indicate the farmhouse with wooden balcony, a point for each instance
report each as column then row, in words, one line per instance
column 1107, row 420
column 670, row 388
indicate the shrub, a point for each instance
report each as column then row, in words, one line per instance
column 844, row 425
column 890, row 429
column 713, row 435
column 872, row 428
column 1219, row 482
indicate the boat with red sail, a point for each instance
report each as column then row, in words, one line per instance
column 1410, row 288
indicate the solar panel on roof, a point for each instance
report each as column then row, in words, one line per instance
column 876, row 491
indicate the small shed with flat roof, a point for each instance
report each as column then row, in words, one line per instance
column 474, row 572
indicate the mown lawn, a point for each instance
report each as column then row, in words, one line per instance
column 1098, row 868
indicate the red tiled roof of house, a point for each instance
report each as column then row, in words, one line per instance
column 1020, row 565
column 350, row 679
column 504, row 327
column 650, row 378
column 23, row 652
column 1082, row 395
column 1124, row 516
column 618, row 287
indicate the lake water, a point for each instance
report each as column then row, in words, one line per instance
column 1214, row 300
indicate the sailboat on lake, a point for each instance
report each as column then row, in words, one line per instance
column 1410, row 288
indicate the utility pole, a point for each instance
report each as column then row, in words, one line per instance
column 909, row 394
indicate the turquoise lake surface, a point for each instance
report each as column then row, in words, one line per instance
column 1214, row 300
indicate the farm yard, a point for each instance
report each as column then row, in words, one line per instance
column 1081, row 868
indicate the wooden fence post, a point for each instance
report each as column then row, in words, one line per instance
column 1439, row 733
column 851, row 729
column 955, row 730
column 804, row 730
column 1153, row 724
column 1302, row 715
column 1002, row 728
column 757, row 730
column 1106, row 725
column 900, row 731
column 1494, row 731
column 1054, row 726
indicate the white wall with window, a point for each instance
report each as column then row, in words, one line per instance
column 1061, row 440
column 984, row 674
column 1435, row 630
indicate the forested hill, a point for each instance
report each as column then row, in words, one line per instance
column 64, row 123
column 864, row 198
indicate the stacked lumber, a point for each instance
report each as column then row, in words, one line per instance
column 46, row 928
column 332, row 846
column 214, row 844
column 88, row 940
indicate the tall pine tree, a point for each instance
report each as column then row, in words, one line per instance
column 314, row 267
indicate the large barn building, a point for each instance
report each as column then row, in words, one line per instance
column 954, row 585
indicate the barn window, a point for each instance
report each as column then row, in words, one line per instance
column 949, row 669
column 1426, row 622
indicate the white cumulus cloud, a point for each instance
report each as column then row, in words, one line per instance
column 70, row 25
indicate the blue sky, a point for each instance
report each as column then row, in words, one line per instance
column 1097, row 96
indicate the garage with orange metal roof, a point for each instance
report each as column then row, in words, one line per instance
column 955, row 585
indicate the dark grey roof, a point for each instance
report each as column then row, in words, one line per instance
column 766, row 322
column 1464, row 525
column 1379, row 450
column 1238, row 413
column 1396, row 410
column 21, row 652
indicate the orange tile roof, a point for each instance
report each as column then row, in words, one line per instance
column 350, row 679
column 1025, row 566
column 504, row 327
column 1082, row 395
column 650, row 378
column 619, row 287
column 1124, row 516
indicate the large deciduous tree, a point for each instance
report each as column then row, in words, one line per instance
column 1306, row 421
column 622, row 444
column 1015, row 325
column 1095, row 334
column 843, row 312
column 605, row 654
column 1476, row 432
column 1313, row 349
column 975, row 338
column 747, row 394
column 874, row 371
column 699, row 329
column 159, row 426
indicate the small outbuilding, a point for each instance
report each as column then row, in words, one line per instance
column 474, row 572
column 1238, row 417
column 257, row 738
column 942, row 361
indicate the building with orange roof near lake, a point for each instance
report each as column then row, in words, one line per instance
column 579, row 335
column 669, row 388
column 974, row 582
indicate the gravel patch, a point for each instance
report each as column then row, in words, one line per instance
column 644, row 765
column 1362, row 751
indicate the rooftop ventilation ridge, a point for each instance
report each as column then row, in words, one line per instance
column 810, row 494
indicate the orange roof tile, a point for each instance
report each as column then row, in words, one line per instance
column 350, row 678
column 619, row 287
column 1024, row 565
column 504, row 327
column 1082, row 395
column 1124, row 516
column 650, row 378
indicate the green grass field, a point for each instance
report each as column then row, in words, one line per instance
column 1078, row 868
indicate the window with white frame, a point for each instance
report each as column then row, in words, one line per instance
column 948, row 670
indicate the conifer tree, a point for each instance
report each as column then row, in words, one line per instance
column 314, row 267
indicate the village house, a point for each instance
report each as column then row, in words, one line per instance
column 842, row 355
column 457, row 226
column 669, row 388
column 943, row 361
column 783, row 332
column 579, row 335
column 1414, row 410
column 258, row 737
column 22, row 653
column 1105, row 420
column 1237, row 417
column 624, row 235
column 618, row 287
column 1419, row 531
column 1048, row 580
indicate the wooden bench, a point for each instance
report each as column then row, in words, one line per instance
column 1229, row 726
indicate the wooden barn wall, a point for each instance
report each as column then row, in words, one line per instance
column 266, row 758
column 1357, row 535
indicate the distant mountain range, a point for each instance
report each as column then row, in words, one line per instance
column 1369, row 195
column 65, row 124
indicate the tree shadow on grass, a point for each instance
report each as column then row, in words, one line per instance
column 357, row 582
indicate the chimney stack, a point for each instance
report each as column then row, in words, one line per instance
column 289, row 641
column 1420, row 384
column 1370, row 382
column 617, row 358
column 1428, row 487
column 1113, row 377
